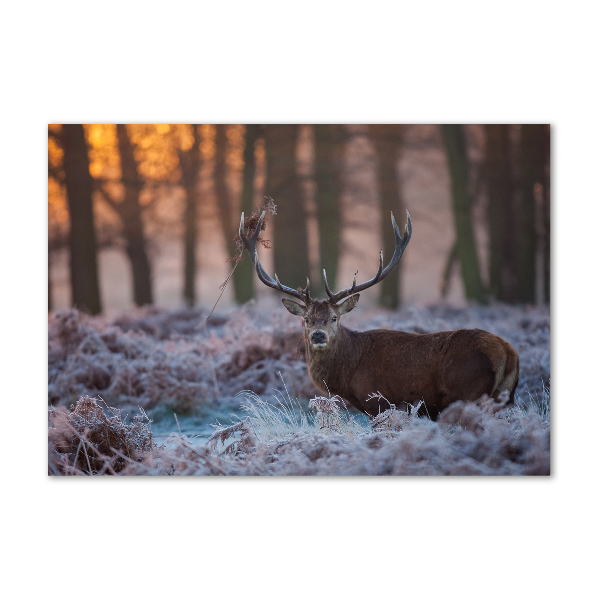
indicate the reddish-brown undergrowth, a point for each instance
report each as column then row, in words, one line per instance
column 90, row 440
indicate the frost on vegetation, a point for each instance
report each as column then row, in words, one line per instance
column 538, row 402
column 473, row 438
column 247, row 441
column 275, row 421
column 134, row 360
column 481, row 438
column 286, row 418
column 89, row 440
column 152, row 357
column 159, row 359
column 328, row 410
column 393, row 420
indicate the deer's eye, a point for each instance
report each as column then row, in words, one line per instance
column 333, row 319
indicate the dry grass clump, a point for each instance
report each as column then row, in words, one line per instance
column 89, row 441
column 246, row 443
column 393, row 420
column 287, row 417
column 328, row 411
column 275, row 421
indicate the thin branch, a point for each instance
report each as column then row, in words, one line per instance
column 223, row 286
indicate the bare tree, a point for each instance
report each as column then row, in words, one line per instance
column 82, row 237
column 501, row 212
column 534, row 157
column 190, row 163
column 388, row 144
column 283, row 185
column 466, row 250
column 244, row 271
column 328, row 150
column 546, row 217
column 130, row 213
column 227, row 215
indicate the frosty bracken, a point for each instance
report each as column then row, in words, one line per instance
column 438, row 368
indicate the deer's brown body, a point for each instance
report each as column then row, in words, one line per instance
column 438, row 368
column 373, row 369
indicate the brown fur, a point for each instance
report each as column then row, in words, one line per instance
column 438, row 368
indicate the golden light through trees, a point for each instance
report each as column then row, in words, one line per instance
column 157, row 189
column 155, row 150
column 156, row 174
column 57, row 206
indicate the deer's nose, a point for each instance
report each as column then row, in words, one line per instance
column 318, row 337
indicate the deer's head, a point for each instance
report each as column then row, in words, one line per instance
column 322, row 317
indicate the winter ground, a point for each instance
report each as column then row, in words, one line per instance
column 243, row 376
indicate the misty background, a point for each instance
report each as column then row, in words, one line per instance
column 147, row 214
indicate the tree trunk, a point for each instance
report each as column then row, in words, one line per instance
column 225, row 208
column 327, row 143
column 388, row 143
column 190, row 170
column 131, row 215
column 546, row 222
column 543, row 178
column 534, row 153
column 283, row 185
column 456, row 154
column 501, row 213
column 245, row 271
column 82, row 238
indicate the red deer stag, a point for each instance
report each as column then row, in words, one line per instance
column 438, row 368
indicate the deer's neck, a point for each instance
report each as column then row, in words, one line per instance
column 331, row 369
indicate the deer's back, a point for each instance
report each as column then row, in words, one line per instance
column 438, row 368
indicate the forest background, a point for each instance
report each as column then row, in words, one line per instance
column 144, row 214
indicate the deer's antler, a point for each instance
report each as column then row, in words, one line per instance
column 401, row 243
column 250, row 244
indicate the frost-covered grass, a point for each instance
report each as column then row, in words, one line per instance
column 476, row 438
column 538, row 402
column 286, row 417
column 250, row 362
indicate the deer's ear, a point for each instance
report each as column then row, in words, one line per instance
column 294, row 307
column 347, row 305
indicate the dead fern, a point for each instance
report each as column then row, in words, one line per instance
column 328, row 410
column 246, row 444
column 250, row 224
column 393, row 420
column 89, row 440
